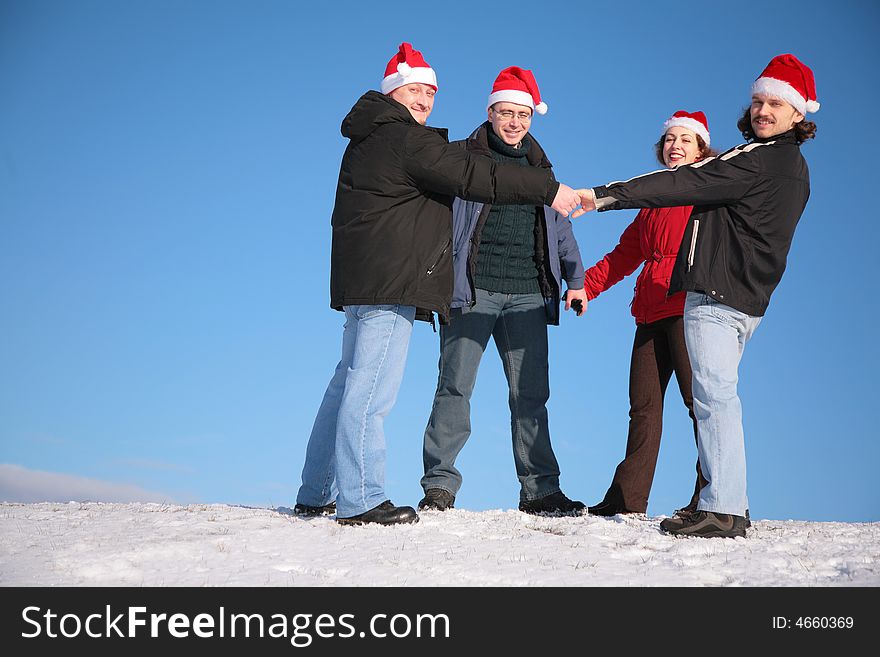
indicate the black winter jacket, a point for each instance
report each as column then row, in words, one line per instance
column 392, row 222
column 747, row 205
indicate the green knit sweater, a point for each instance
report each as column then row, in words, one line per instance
column 506, row 255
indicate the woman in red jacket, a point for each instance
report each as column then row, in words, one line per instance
column 659, row 349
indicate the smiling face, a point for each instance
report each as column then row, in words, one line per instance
column 418, row 98
column 680, row 146
column 510, row 121
column 771, row 116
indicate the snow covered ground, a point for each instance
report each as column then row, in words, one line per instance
column 95, row 544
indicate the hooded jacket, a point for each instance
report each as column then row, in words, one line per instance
column 747, row 201
column 555, row 246
column 652, row 238
column 392, row 220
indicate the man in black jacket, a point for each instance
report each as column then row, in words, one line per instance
column 391, row 264
column 747, row 204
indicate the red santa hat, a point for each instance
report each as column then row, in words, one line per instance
column 517, row 85
column 407, row 66
column 788, row 78
column 696, row 122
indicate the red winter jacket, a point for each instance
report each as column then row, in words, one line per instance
column 653, row 238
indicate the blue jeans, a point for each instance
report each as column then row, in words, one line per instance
column 716, row 336
column 345, row 457
column 518, row 323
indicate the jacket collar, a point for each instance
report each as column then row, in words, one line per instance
column 478, row 142
column 783, row 138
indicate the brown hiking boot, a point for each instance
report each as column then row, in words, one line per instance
column 689, row 510
column 706, row 524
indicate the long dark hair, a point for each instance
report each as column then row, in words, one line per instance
column 802, row 131
column 705, row 151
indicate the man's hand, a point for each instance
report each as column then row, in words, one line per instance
column 587, row 202
column 566, row 200
column 576, row 295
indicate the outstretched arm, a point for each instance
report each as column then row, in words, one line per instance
column 716, row 181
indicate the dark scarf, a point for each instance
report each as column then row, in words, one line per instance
column 506, row 257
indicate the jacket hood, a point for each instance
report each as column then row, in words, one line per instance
column 369, row 112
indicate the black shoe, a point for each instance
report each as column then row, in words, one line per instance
column 437, row 499
column 706, row 524
column 311, row 511
column 607, row 509
column 384, row 514
column 552, row 504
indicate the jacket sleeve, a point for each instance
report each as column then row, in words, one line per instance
column 622, row 261
column 435, row 165
column 570, row 263
column 718, row 180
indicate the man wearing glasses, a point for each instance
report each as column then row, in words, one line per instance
column 508, row 264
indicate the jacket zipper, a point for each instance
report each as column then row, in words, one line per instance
column 439, row 258
column 693, row 244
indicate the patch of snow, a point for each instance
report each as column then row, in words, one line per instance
column 143, row 544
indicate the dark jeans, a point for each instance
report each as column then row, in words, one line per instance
column 518, row 323
column 658, row 350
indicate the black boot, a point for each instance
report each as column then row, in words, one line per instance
column 606, row 509
column 312, row 511
column 556, row 504
column 384, row 514
column 437, row 499
column 612, row 504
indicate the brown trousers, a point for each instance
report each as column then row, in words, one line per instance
column 658, row 350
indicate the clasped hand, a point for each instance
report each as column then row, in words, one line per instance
column 567, row 200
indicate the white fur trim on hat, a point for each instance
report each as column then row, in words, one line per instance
column 516, row 97
column 783, row 90
column 415, row 74
column 690, row 124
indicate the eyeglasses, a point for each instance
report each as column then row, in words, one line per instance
column 507, row 115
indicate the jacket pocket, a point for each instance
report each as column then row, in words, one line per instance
column 693, row 248
column 438, row 256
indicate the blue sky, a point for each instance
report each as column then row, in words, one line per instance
column 167, row 172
